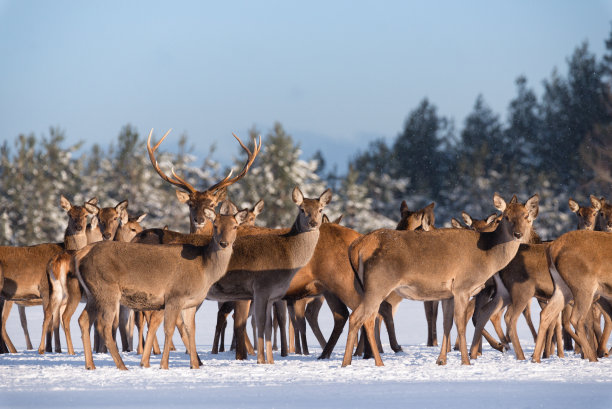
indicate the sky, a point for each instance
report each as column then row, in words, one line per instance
column 335, row 74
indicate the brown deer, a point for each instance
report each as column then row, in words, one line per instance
column 175, row 278
column 24, row 268
column 64, row 293
column 581, row 277
column 447, row 264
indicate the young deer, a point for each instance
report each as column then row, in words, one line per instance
column 151, row 277
column 447, row 264
column 64, row 293
column 24, row 268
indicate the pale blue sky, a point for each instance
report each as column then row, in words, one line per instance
column 336, row 74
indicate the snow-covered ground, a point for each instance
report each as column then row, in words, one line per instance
column 408, row 379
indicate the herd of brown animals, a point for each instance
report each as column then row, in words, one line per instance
column 478, row 269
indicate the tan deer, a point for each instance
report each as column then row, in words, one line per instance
column 64, row 293
column 24, row 268
column 175, row 278
column 581, row 277
column 447, row 264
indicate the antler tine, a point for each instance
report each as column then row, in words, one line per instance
column 177, row 181
column 251, row 158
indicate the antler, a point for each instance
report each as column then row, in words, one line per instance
column 177, row 181
column 183, row 184
column 251, row 157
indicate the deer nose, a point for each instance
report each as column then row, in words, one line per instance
column 313, row 223
column 223, row 244
column 106, row 236
column 518, row 234
column 79, row 228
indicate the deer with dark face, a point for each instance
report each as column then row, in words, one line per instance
column 444, row 264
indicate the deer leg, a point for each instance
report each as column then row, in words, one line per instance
column 180, row 326
column 24, row 326
column 369, row 328
column 602, row 347
column 482, row 316
column 139, row 322
column 460, row 307
column 154, row 319
column 124, row 327
column 3, row 347
column 582, row 308
column 291, row 308
column 447, row 324
column 148, row 316
column 300, row 325
column 312, row 313
column 188, row 315
column 365, row 310
column 280, row 307
column 512, row 316
column 106, row 323
column 241, row 313
column 274, row 330
column 85, row 323
column 560, row 297
column 50, row 304
column 5, row 314
column 527, row 315
column 386, row 312
column 559, row 337
column 495, row 319
column 225, row 308
column 360, row 350
column 171, row 315
column 567, row 336
column 431, row 315
column 340, row 313
column 268, row 333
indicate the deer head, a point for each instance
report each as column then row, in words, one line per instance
column 413, row 220
column 253, row 213
column 604, row 220
column 517, row 218
column 109, row 219
column 77, row 215
column 485, row 225
column 197, row 200
column 225, row 225
column 310, row 214
column 130, row 227
column 587, row 216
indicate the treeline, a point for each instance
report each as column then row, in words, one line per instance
column 558, row 145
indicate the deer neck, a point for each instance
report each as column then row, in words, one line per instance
column 304, row 243
column 216, row 260
column 499, row 248
column 75, row 241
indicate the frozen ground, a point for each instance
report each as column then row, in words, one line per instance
column 408, row 379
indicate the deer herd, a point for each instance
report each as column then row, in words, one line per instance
column 483, row 270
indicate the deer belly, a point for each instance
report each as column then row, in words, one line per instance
column 142, row 300
column 424, row 292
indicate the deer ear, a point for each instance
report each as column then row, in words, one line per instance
column 573, row 205
column 141, row 217
column 595, row 203
column 65, row 203
column 325, row 219
column 426, row 223
column 467, row 219
column 456, row 224
column 121, row 206
column 499, row 202
column 93, row 201
column 533, row 206
column 258, row 208
column 123, row 215
column 338, row 220
column 403, row 206
column 491, row 218
column 297, row 196
column 183, row 197
column 94, row 222
column 210, row 214
column 241, row 216
column 91, row 208
column 227, row 208
column 221, row 195
column 514, row 199
column 325, row 197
